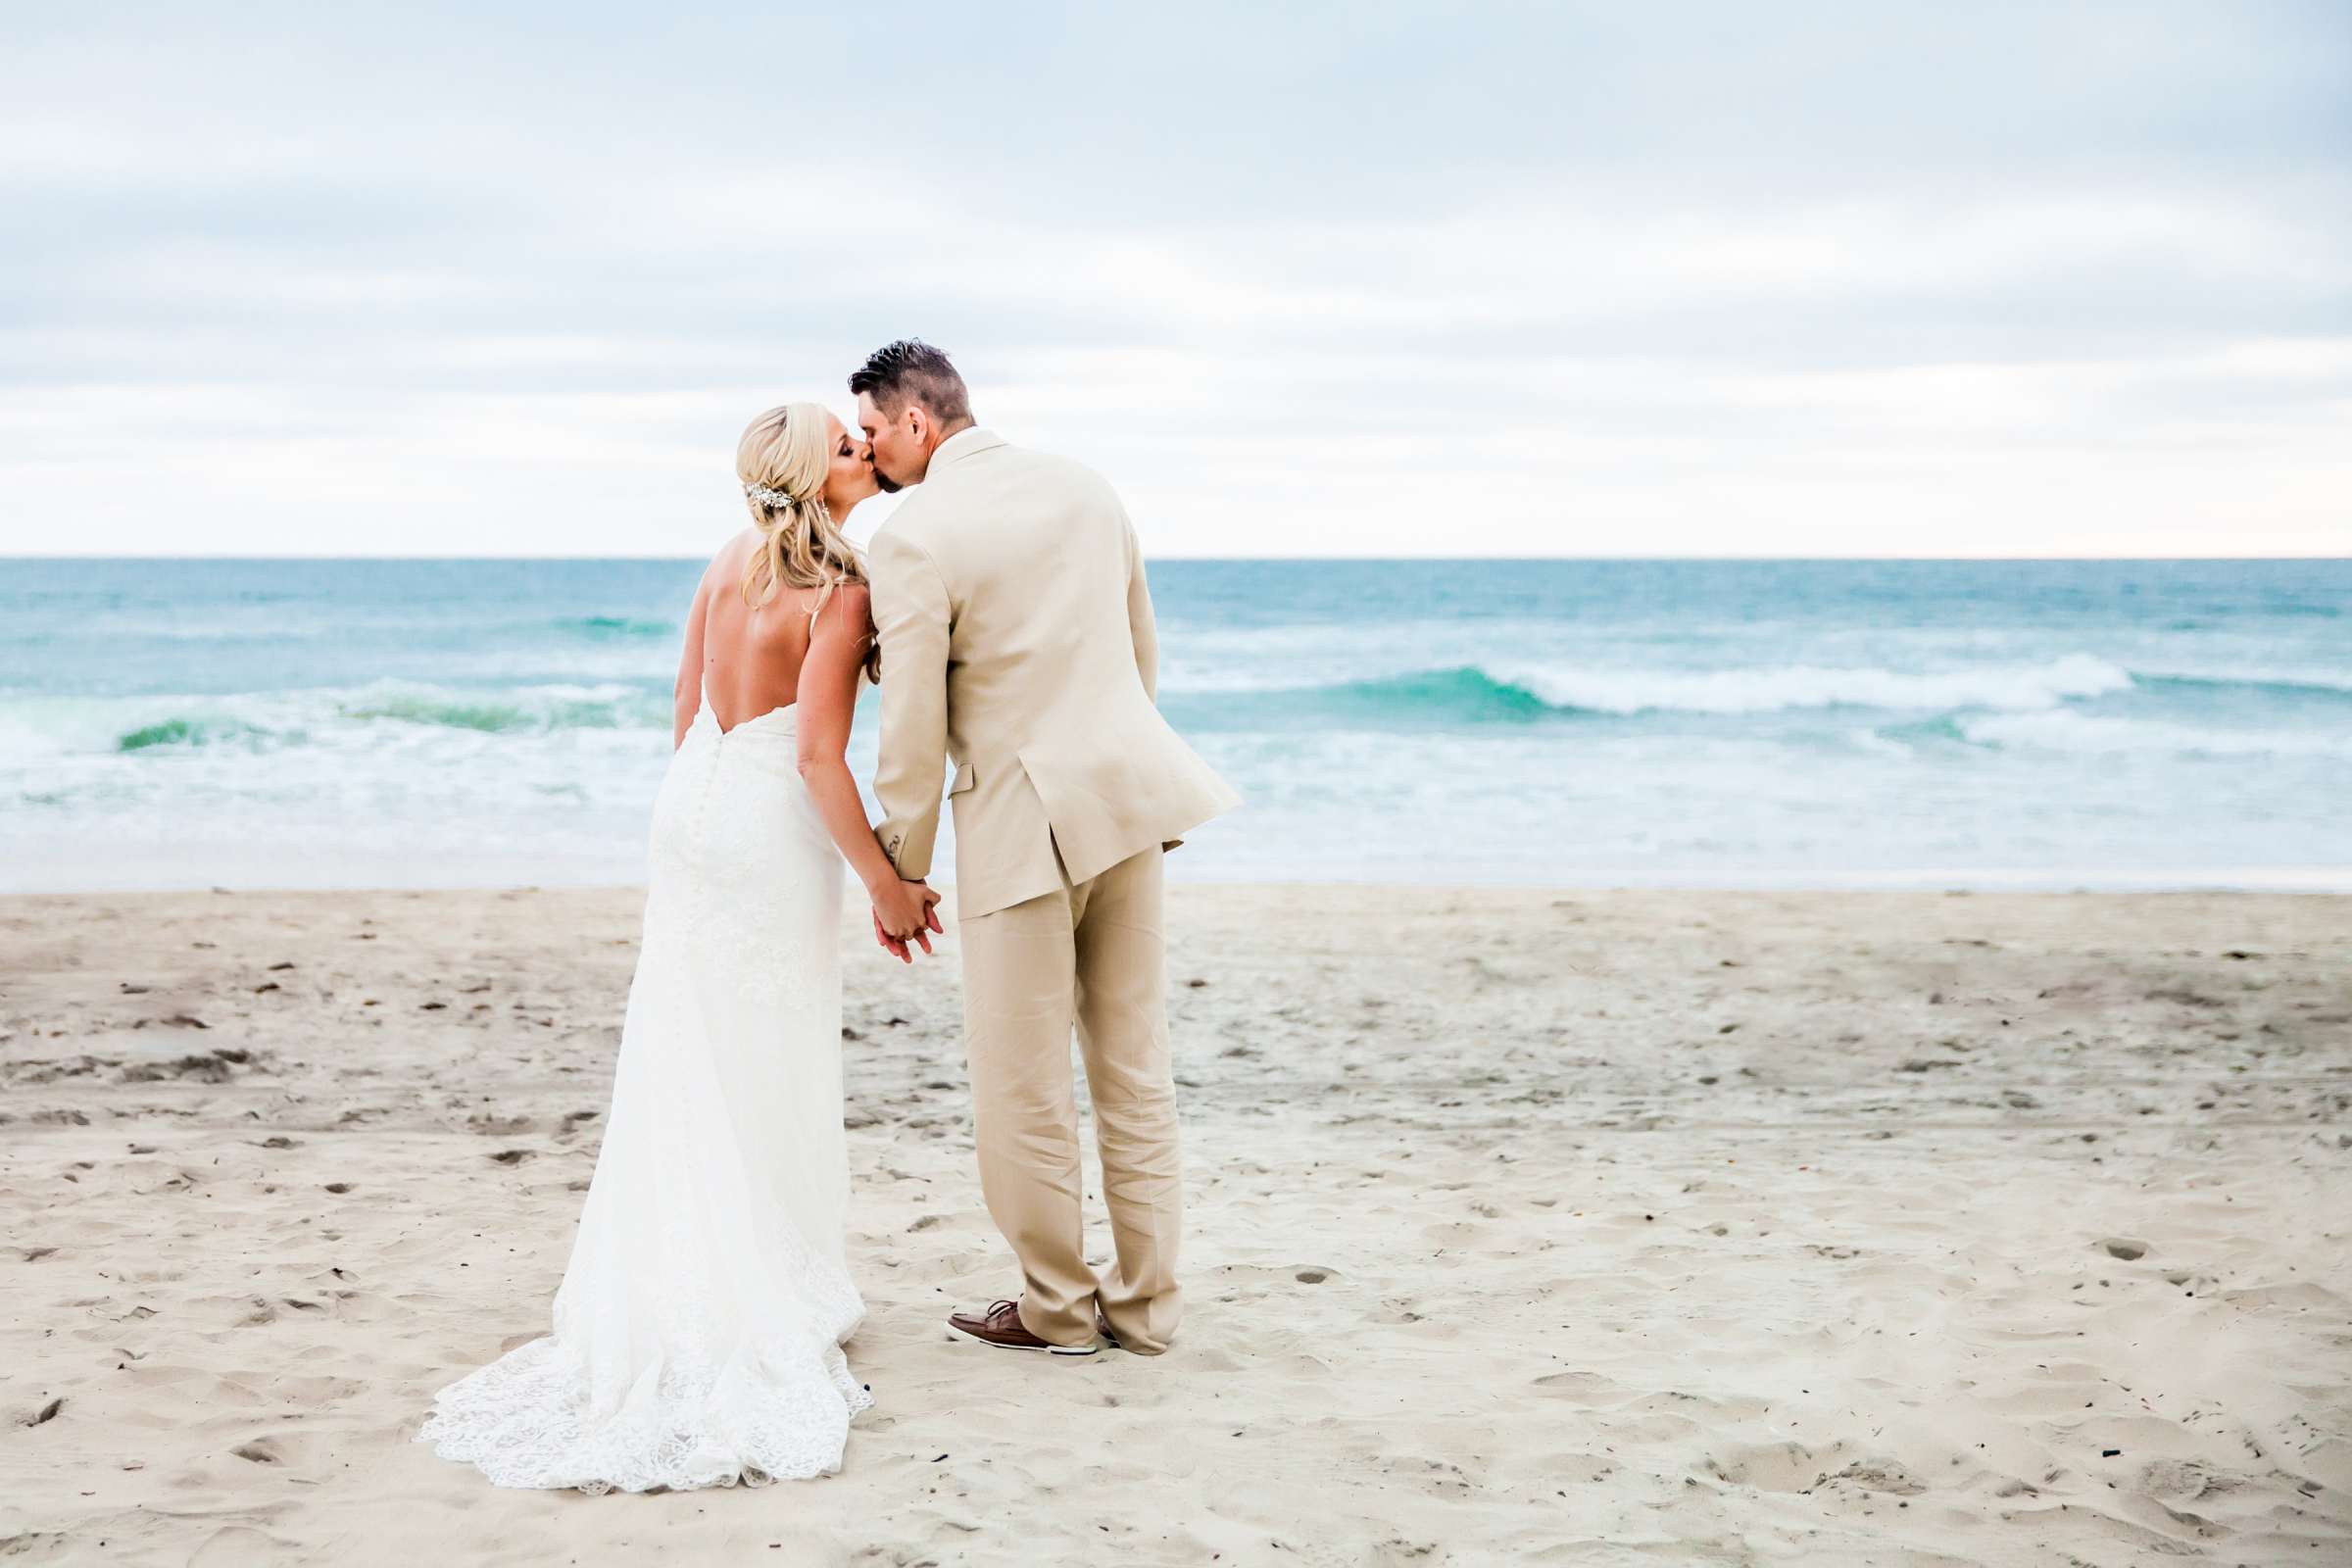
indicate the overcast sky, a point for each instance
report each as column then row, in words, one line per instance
column 1350, row 279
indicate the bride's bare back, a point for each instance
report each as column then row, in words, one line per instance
column 751, row 658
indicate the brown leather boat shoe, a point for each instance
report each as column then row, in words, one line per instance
column 1000, row 1326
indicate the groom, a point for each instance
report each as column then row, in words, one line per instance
column 1016, row 636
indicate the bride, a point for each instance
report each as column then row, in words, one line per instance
column 698, row 1328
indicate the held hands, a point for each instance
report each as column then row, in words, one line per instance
column 905, row 914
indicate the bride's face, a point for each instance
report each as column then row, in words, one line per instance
column 850, row 477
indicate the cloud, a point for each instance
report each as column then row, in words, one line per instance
column 1301, row 280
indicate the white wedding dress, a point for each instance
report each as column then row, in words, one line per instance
column 698, row 1328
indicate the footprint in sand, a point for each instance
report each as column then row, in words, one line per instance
column 1580, row 1386
column 2126, row 1247
column 1779, row 1466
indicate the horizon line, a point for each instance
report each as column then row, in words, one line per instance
column 1451, row 560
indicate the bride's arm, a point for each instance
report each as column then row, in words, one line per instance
column 687, row 699
column 827, row 696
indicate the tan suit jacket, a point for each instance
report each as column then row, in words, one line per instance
column 1018, row 638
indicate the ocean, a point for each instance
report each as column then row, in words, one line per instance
column 345, row 724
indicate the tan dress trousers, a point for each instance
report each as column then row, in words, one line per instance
column 1087, row 954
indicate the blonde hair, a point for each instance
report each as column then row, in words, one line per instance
column 782, row 459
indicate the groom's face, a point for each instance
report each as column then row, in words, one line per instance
column 897, row 442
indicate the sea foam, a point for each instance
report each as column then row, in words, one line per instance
column 2021, row 686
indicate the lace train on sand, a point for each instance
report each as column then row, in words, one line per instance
column 771, row 1413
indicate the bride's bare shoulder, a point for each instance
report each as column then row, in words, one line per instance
column 727, row 564
column 731, row 554
column 847, row 607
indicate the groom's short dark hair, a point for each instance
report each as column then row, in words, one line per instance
column 912, row 369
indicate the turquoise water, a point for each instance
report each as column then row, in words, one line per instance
column 2055, row 723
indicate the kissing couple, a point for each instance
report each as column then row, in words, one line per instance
column 700, row 1328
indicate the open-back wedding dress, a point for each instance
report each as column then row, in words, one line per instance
column 698, row 1328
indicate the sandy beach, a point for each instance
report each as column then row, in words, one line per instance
column 1590, row 1228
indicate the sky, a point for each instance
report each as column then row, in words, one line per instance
column 1363, row 280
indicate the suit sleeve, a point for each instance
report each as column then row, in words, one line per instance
column 911, row 620
column 1140, row 623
